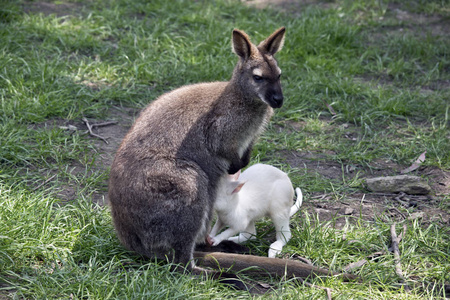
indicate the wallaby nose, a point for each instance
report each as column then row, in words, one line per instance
column 277, row 100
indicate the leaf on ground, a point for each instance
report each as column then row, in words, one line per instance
column 415, row 164
column 330, row 108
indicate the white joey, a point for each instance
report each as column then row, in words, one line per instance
column 260, row 191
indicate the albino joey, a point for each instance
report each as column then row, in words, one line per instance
column 260, row 191
column 164, row 176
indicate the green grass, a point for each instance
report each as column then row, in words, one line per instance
column 386, row 79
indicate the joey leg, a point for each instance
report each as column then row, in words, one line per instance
column 224, row 235
column 248, row 234
column 283, row 235
column 216, row 228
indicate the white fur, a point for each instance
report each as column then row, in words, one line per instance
column 257, row 72
column 260, row 191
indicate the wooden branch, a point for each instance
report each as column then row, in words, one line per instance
column 362, row 262
column 354, row 265
column 44, row 183
column 104, row 124
column 89, row 126
column 303, row 259
column 398, row 211
column 399, row 237
column 329, row 293
column 395, row 248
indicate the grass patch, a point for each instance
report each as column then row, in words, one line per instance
column 365, row 82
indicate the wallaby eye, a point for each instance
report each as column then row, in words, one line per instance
column 257, row 78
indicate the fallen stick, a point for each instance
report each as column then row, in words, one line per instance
column 329, row 293
column 399, row 212
column 44, row 183
column 303, row 259
column 104, row 124
column 395, row 249
column 354, row 265
column 362, row 262
column 89, row 127
column 399, row 237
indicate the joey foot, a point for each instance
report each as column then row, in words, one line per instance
column 209, row 240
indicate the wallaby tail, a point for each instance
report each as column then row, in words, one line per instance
column 297, row 203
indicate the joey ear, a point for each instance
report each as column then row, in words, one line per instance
column 234, row 187
column 274, row 42
column 238, row 187
column 241, row 44
column 235, row 176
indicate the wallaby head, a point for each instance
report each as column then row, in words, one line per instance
column 257, row 72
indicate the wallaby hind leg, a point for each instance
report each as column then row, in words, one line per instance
column 283, row 235
column 248, row 234
column 183, row 254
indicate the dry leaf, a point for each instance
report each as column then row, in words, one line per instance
column 330, row 108
column 415, row 164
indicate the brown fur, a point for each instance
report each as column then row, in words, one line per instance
column 164, row 176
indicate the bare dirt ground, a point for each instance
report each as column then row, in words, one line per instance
column 365, row 205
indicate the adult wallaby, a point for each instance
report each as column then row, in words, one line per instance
column 164, row 176
column 260, row 191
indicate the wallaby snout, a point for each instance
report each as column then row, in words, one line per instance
column 275, row 98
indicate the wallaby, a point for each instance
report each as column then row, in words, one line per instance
column 164, row 176
column 260, row 191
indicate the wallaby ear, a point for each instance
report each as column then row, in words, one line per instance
column 274, row 42
column 241, row 44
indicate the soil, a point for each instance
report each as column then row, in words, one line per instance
column 367, row 205
column 60, row 9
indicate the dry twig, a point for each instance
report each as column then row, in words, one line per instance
column 44, row 183
column 397, row 239
column 303, row 259
column 328, row 290
column 89, row 126
column 104, row 124
column 355, row 265
column 395, row 249
column 328, row 293
column 362, row 262
column 400, row 198
column 398, row 211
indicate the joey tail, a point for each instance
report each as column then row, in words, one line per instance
column 297, row 203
